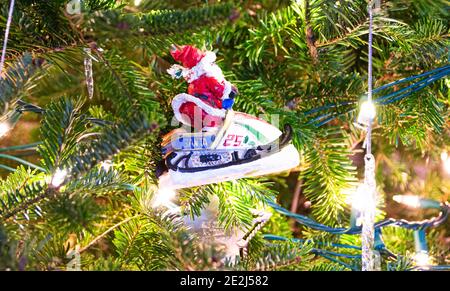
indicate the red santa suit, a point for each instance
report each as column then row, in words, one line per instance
column 209, row 94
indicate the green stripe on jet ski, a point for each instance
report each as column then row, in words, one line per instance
column 260, row 137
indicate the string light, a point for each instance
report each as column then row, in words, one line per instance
column 164, row 197
column 359, row 198
column 58, row 177
column 408, row 200
column 106, row 165
column 364, row 199
column 445, row 162
column 4, row 128
column 421, row 257
column 360, row 201
column 416, row 202
column 367, row 113
column 9, row 120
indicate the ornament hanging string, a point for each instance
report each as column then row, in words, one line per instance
column 370, row 78
column 5, row 40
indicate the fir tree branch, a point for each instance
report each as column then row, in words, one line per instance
column 96, row 239
column 310, row 39
column 39, row 195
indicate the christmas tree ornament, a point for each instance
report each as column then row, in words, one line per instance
column 88, row 72
column 5, row 39
column 217, row 144
column 368, row 215
column 367, row 115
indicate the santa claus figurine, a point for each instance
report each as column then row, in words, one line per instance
column 209, row 95
column 225, row 144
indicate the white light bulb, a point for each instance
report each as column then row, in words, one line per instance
column 164, row 197
column 361, row 198
column 58, row 177
column 362, row 201
column 367, row 113
column 444, row 156
column 422, row 258
column 106, row 165
column 445, row 162
column 4, row 128
column 408, row 200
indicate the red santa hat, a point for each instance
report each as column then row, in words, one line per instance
column 187, row 55
column 196, row 63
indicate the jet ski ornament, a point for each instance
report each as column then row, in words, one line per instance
column 224, row 145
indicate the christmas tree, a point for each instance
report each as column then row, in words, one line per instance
column 86, row 102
